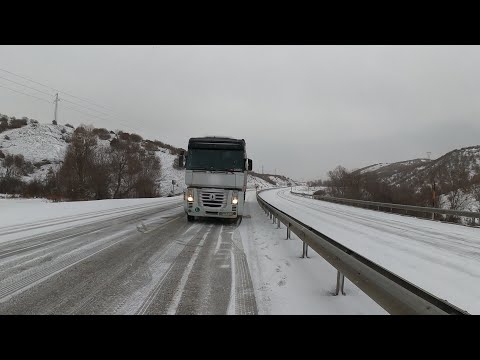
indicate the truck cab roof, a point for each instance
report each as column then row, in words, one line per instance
column 214, row 142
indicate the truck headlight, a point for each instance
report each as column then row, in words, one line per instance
column 235, row 198
column 190, row 195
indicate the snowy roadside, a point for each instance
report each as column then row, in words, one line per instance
column 443, row 259
column 285, row 283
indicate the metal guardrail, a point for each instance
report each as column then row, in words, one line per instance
column 393, row 293
column 379, row 205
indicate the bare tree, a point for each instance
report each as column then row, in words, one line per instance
column 78, row 166
column 148, row 175
column 101, row 177
column 338, row 181
column 455, row 182
column 121, row 159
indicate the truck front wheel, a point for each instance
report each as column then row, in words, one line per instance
column 190, row 218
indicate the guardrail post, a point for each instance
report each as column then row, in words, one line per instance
column 288, row 232
column 278, row 219
column 340, row 283
column 273, row 219
column 305, row 250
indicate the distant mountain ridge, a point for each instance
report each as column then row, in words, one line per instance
column 420, row 171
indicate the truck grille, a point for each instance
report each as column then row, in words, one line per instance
column 213, row 198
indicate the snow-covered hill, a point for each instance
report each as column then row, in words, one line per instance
column 253, row 181
column 419, row 171
column 269, row 180
column 456, row 176
column 37, row 142
column 169, row 173
column 42, row 144
column 45, row 146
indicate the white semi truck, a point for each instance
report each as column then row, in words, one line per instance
column 215, row 177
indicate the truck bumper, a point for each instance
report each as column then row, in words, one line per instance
column 228, row 211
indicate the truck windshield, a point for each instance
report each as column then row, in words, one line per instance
column 216, row 159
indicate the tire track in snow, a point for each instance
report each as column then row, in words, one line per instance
column 82, row 216
column 51, row 244
column 181, row 286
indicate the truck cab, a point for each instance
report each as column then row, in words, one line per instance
column 216, row 170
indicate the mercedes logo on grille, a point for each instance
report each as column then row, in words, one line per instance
column 212, row 196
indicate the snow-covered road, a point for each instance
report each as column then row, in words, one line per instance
column 136, row 256
column 141, row 256
column 443, row 259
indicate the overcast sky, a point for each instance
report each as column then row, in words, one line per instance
column 301, row 109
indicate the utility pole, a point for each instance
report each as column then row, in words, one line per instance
column 428, row 154
column 262, row 169
column 56, row 106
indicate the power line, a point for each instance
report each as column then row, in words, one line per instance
column 49, row 87
column 65, row 93
column 91, row 115
column 43, row 92
column 91, row 102
column 82, row 112
column 68, row 107
column 86, row 107
column 26, row 78
column 6, row 87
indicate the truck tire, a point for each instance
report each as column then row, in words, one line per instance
column 190, row 218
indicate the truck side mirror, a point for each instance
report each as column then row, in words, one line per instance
column 182, row 160
column 250, row 165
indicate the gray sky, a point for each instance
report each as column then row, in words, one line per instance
column 301, row 109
